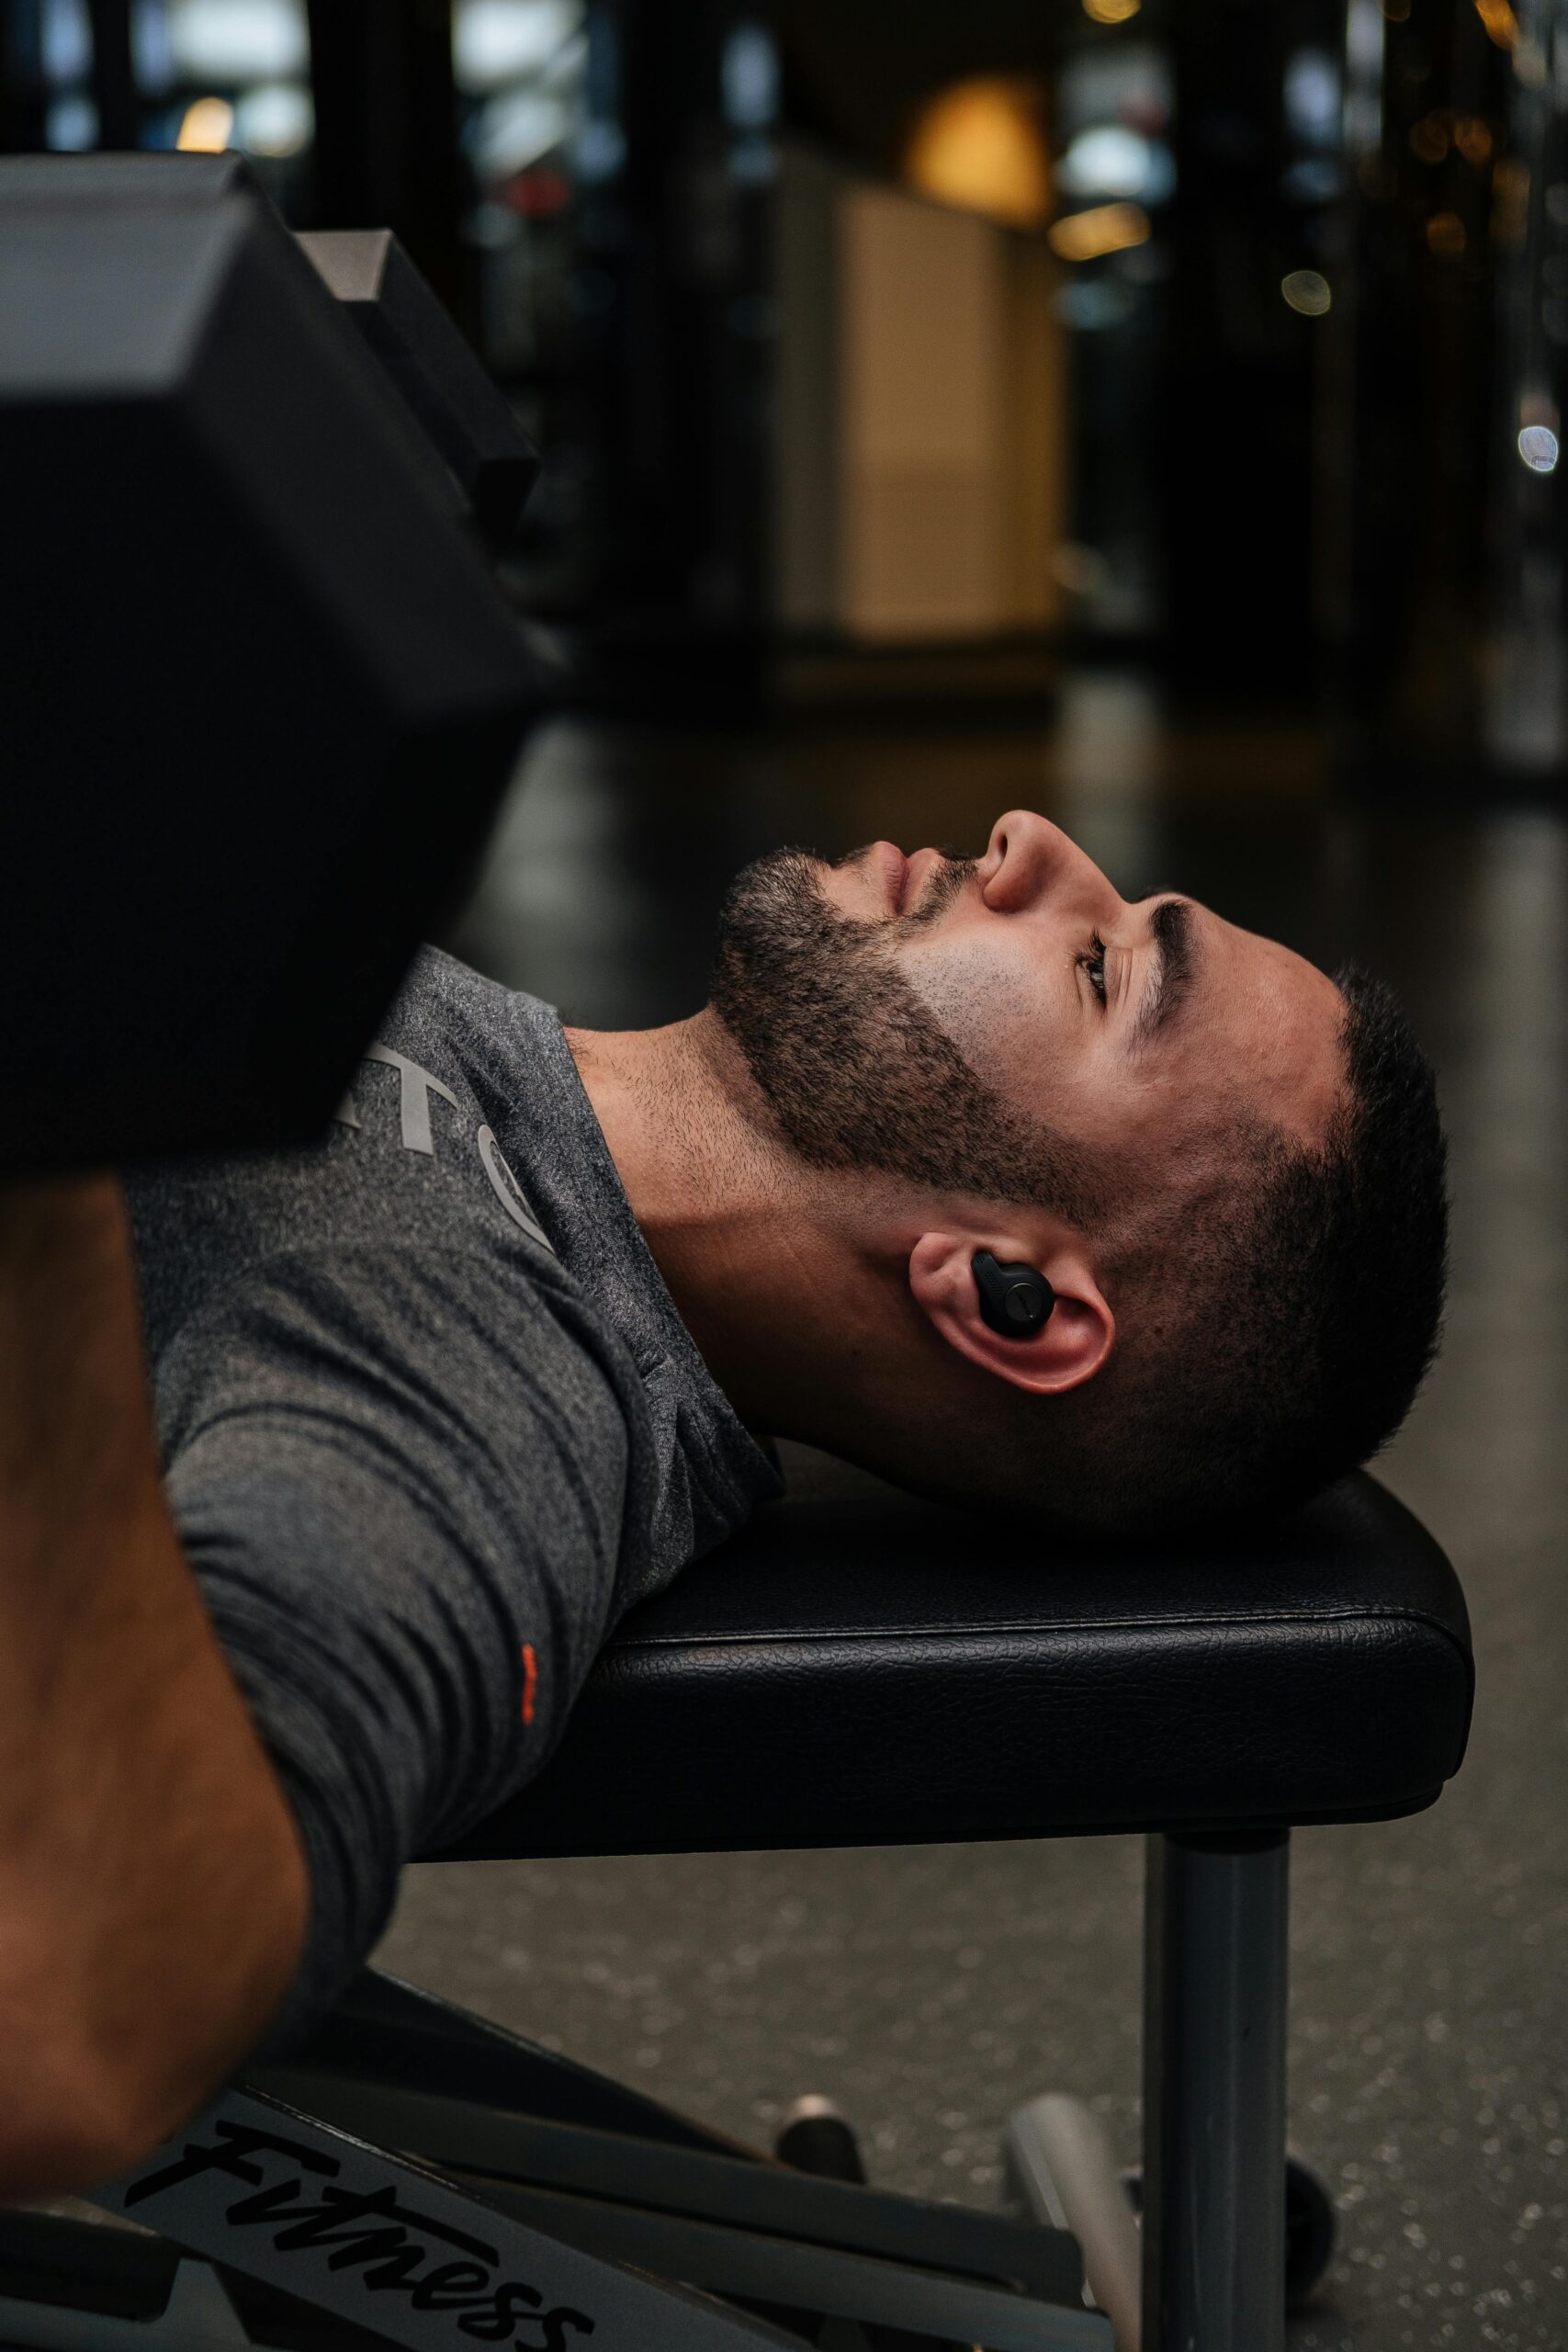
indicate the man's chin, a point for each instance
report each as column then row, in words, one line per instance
column 771, row 910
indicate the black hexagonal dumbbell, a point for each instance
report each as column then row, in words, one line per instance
column 261, row 696
column 449, row 394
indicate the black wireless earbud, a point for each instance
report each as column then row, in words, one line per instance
column 1014, row 1300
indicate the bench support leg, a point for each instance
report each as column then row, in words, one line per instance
column 1217, row 1911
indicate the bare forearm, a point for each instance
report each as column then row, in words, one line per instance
column 75, row 1431
column 151, row 1890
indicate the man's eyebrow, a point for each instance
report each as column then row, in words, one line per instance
column 1171, row 930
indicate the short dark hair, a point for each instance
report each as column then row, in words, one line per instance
column 1300, row 1321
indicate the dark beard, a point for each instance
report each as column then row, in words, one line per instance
column 857, row 1074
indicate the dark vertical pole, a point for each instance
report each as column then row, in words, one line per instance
column 1455, row 342
column 1238, row 378
column 1524, row 707
column 1214, row 1983
column 684, row 355
column 23, row 99
column 114, row 75
column 386, row 130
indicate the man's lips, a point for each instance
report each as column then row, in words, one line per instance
column 903, row 878
column 918, row 872
column 894, row 868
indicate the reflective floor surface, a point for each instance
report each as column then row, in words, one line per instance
column 929, row 1991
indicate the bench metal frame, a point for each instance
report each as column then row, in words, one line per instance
column 419, row 2167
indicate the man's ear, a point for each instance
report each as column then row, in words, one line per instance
column 1069, row 1348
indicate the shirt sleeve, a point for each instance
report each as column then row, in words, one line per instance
column 401, row 1499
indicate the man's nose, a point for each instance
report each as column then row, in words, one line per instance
column 1028, row 857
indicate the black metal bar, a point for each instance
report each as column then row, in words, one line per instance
column 768, row 2198
column 744, row 2263
column 1216, row 1917
column 114, row 74
column 385, row 151
column 385, row 2031
column 24, row 95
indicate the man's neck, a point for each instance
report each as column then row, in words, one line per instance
column 794, row 1285
column 712, row 1194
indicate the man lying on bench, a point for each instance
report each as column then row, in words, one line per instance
column 1099, row 1212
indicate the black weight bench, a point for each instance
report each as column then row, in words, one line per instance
column 860, row 1670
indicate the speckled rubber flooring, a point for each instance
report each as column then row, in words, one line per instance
column 931, row 1990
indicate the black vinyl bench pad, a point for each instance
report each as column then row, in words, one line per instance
column 863, row 1668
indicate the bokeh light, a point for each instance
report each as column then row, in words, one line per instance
column 1104, row 229
column 1308, row 291
column 980, row 145
column 207, row 126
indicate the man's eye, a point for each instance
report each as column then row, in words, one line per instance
column 1094, row 964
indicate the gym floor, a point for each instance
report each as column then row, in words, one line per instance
column 931, row 1990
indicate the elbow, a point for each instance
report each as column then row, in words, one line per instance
column 95, row 2078
column 116, row 2029
column 104, row 2058
column 69, row 2122
column 130, row 1992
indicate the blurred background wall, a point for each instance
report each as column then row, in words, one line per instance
column 903, row 352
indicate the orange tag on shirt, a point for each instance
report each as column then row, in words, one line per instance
column 530, row 1681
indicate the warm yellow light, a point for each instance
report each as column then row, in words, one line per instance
column 1104, row 229
column 1445, row 235
column 1502, row 24
column 1112, row 11
column 980, row 145
column 207, row 126
column 1473, row 137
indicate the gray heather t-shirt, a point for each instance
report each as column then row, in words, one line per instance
column 430, row 1423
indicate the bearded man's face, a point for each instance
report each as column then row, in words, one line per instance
column 857, row 1070
column 1010, row 1028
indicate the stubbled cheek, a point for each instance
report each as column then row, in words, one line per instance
column 993, row 1012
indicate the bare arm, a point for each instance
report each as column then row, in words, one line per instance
column 152, row 1891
